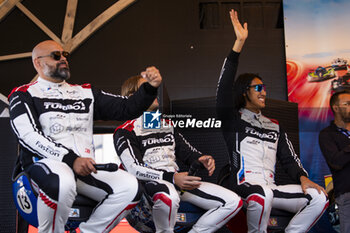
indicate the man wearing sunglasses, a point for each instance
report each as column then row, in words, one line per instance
column 254, row 143
column 334, row 142
column 53, row 121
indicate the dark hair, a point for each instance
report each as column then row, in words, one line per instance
column 131, row 85
column 240, row 87
column 335, row 98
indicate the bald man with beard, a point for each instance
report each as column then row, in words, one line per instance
column 53, row 121
column 51, row 69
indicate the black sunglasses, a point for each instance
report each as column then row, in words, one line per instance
column 258, row 87
column 56, row 55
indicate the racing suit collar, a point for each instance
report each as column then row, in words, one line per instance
column 250, row 114
column 50, row 84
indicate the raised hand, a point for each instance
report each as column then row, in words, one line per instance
column 241, row 32
column 152, row 75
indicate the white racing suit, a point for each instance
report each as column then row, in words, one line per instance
column 54, row 125
column 254, row 143
column 150, row 155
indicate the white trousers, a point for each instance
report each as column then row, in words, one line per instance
column 117, row 192
column 221, row 205
column 307, row 208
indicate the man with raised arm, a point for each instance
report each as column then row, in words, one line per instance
column 53, row 121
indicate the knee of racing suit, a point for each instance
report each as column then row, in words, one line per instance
column 319, row 200
column 162, row 192
column 258, row 210
column 235, row 202
column 58, row 186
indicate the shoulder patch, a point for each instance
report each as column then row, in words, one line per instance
column 168, row 122
column 22, row 88
column 85, row 85
column 273, row 120
column 128, row 125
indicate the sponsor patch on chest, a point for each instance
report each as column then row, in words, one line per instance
column 272, row 136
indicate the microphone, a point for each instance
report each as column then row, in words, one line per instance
column 194, row 168
column 110, row 167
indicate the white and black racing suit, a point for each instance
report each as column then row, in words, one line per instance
column 54, row 125
column 150, row 155
column 254, row 143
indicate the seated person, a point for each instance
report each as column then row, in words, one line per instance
column 255, row 142
column 151, row 154
column 53, row 122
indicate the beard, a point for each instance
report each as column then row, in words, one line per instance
column 345, row 117
column 57, row 72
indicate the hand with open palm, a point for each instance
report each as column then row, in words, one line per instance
column 240, row 31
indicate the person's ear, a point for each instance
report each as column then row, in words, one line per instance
column 37, row 63
column 335, row 108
